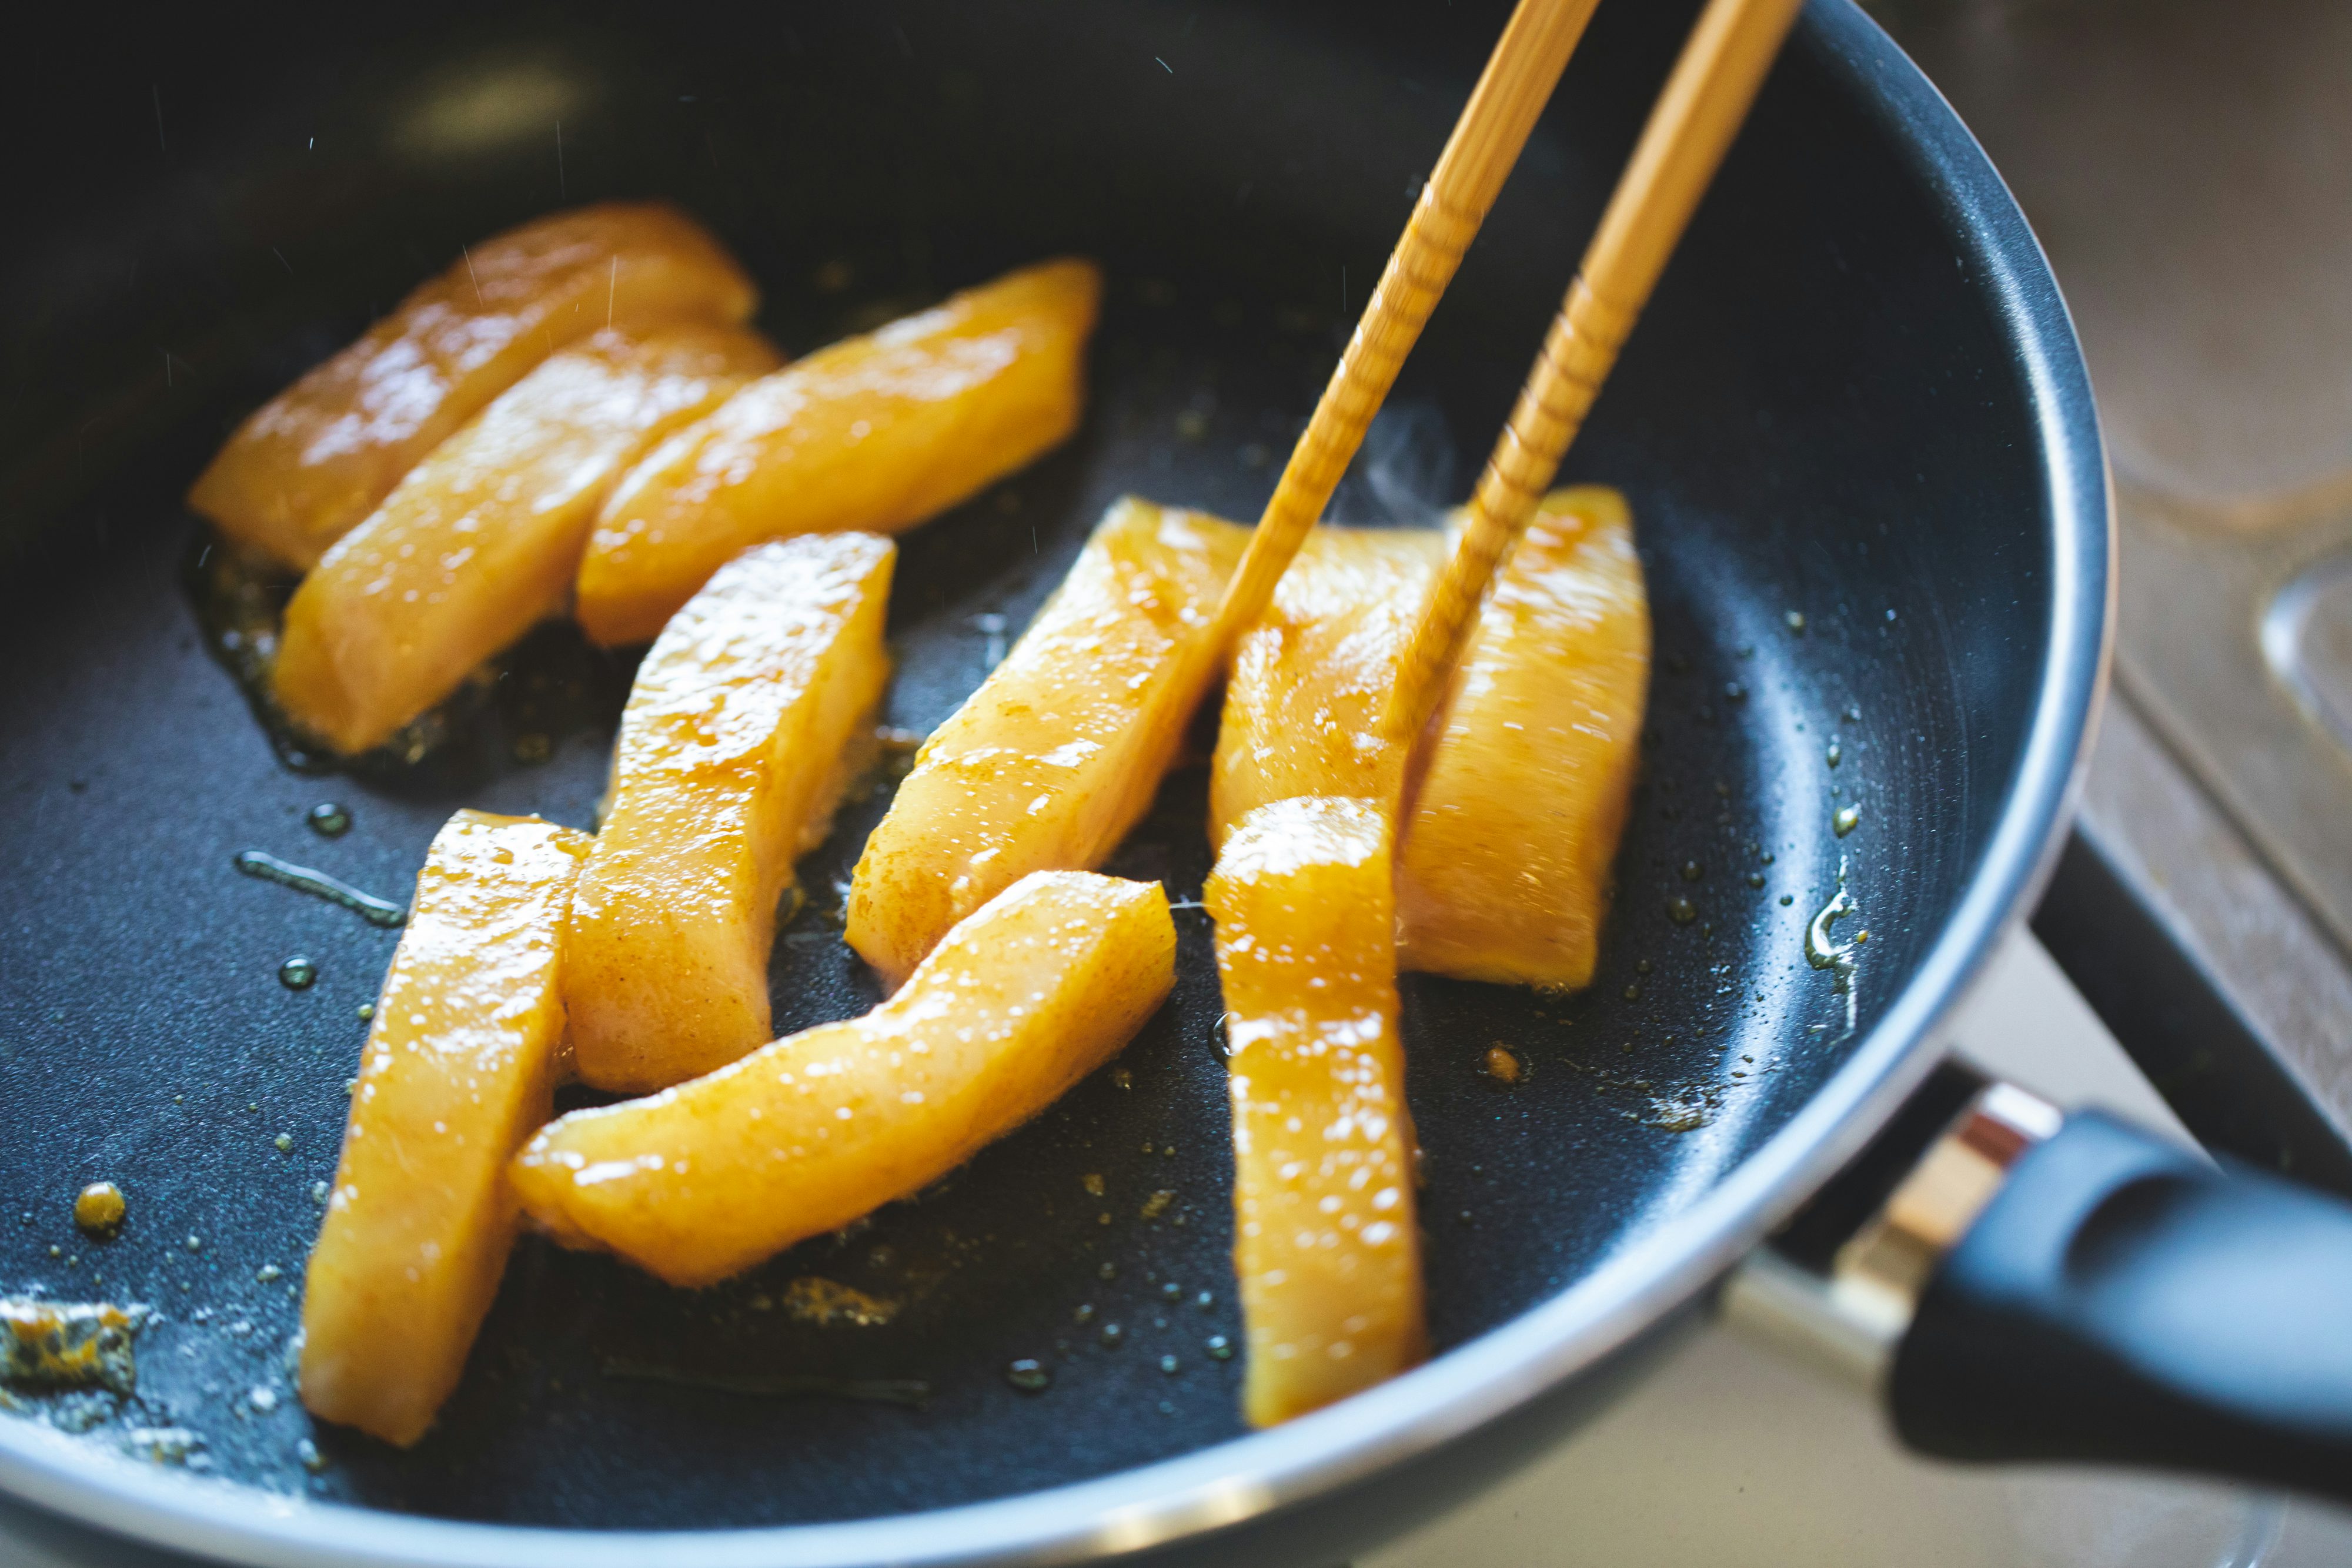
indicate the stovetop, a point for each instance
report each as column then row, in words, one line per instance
column 2189, row 170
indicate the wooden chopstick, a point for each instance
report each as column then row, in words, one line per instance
column 1705, row 100
column 1486, row 139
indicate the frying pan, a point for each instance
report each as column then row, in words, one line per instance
column 1862, row 455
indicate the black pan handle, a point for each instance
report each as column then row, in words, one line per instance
column 2120, row 1300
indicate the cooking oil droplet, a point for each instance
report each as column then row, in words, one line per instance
column 1693, row 871
column 1205, row 1300
column 302, row 879
column 1028, row 1375
column 1502, row 1066
column 1170, row 1366
column 297, row 973
column 1633, row 993
column 1786, row 899
column 1085, row 1314
column 1172, row 1291
column 1846, row 820
column 329, row 819
column 1836, row 753
column 99, row 1208
column 1641, row 965
column 1756, row 879
column 1796, row 621
column 1112, row 1334
column 1854, row 712
column 1107, row 1271
column 1681, row 911
column 1221, row 1347
column 1823, row 951
column 283, row 1142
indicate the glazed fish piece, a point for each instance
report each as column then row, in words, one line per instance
column 460, row 1069
column 483, row 537
column 1021, row 1001
column 1324, row 1239
column 1509, row 838
column 738, row 739
column 1310, row 681
column 309, row 464
column 1059, row 752
column 876, row 432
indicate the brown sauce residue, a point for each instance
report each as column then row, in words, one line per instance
column 50, row 1345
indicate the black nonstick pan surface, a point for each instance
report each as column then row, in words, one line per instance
column 1869, row 496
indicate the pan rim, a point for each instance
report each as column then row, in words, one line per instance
column 1513, row 1365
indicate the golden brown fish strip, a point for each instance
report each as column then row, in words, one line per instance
column 801, row 1137
column 1058, row 755
column 309, row 464
column 876, row 432
column 1324, row 1241
column 1303, row 704
column 484, row 537
column 459, row 1067
column 734, row 748
column 1510, row 834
